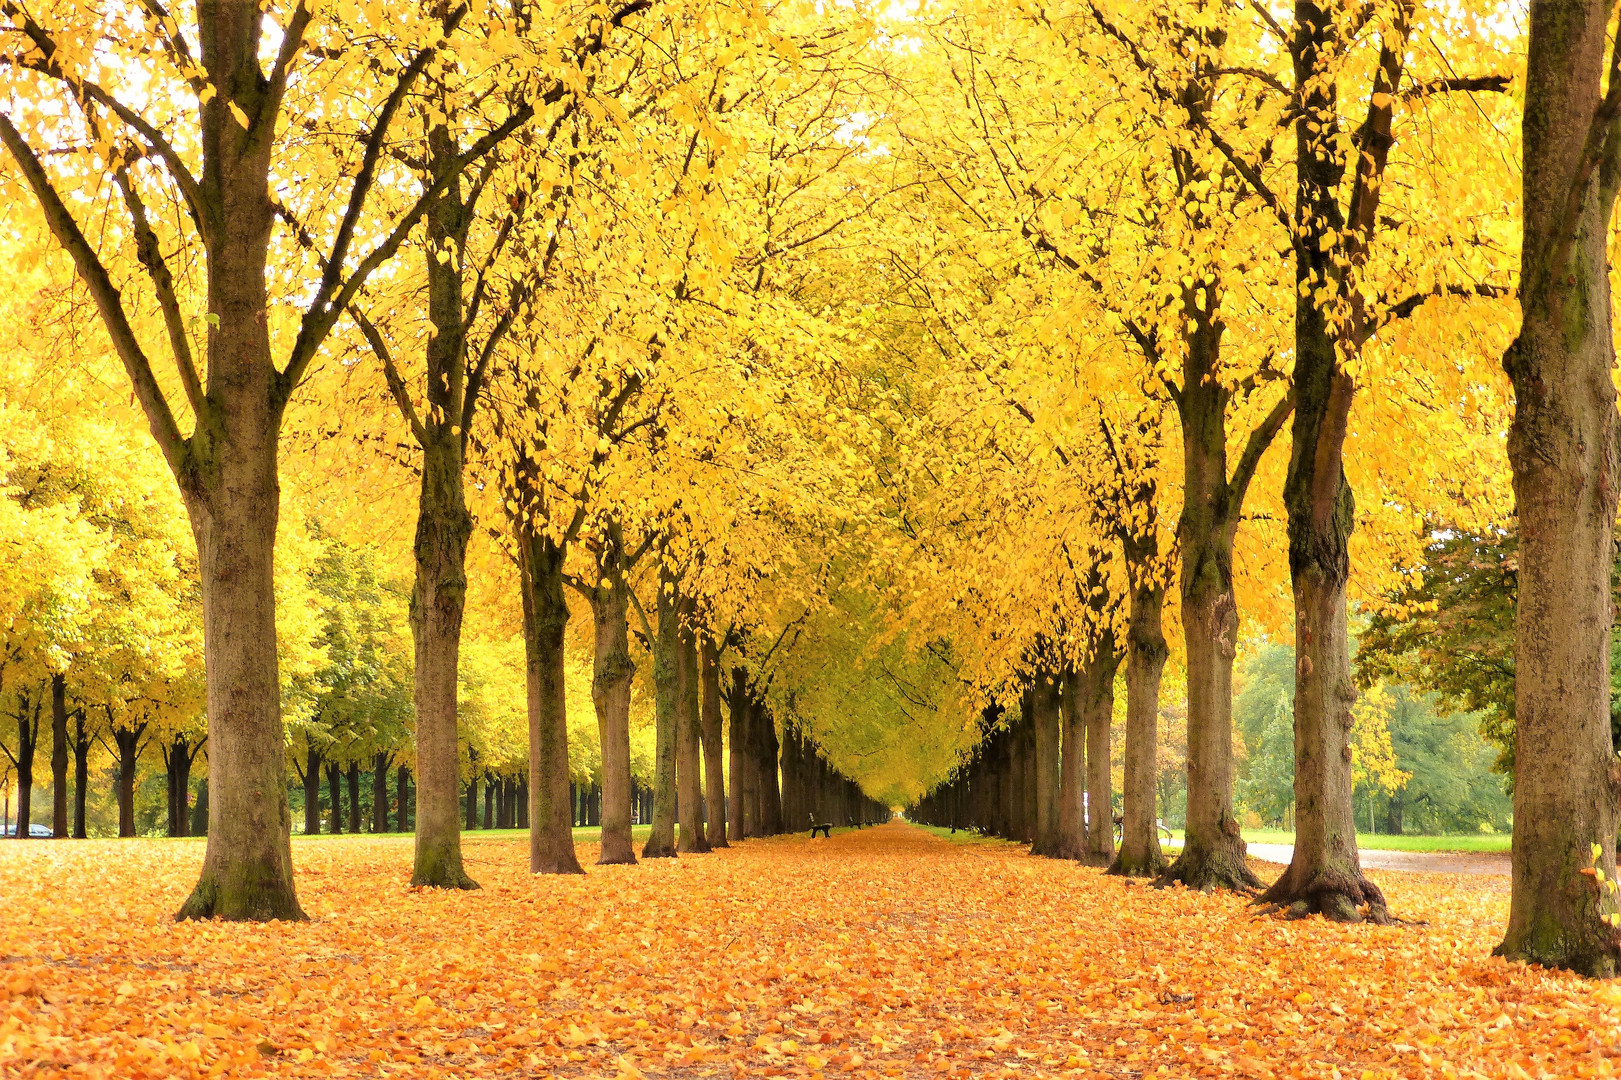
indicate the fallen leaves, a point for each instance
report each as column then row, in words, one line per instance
column 881, row 953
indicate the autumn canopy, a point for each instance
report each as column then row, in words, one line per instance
column 701, row 420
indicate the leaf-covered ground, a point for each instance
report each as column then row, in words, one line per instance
column 885, row 952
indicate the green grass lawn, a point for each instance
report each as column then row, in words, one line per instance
column 1366, row 841
column 1383, row 842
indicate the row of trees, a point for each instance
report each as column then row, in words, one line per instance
column 842, row 356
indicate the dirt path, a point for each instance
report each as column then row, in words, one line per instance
column 886, row 952
column 1425, row 862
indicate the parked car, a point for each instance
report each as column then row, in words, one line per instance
column 33, row 830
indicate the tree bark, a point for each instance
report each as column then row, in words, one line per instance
column 438, row 601
column 128, row 741
column 1146, row 652
column 1072, row 769
column 688, row 736
column 59, row 756
column 1562, row 446
column 545, row 615
column 233, row 497
column 770, row 791
column 81, row 774
column 334, row 787
column 715, row 805
column 379, row 792
column 1213, row 851
column 666, row 632
column 27, row 714
column 402, row 797
column 352, row 776
column 1097, row 705
column 737, row 703
column 312, row 791
column 610, row 694
column 1044, row 700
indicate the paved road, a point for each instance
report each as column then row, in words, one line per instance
column 1429, row 862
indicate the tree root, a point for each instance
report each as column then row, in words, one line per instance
column 1329, row 893
column 1208, row 871
column 1151, row 867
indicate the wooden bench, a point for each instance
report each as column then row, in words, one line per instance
column 826, row 828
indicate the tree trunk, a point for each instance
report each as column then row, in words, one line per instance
column 491, row 788
column 737, row 739
column 1097, row 705
column 334, row 787
column 1213, row 852
column 312, row 791
column 610, row 694
column 1146, row 652
column 545, row 617
column 666, row 634
column 438, row 601
column 177, row 769
column 715, row 807
column 59, row 756
column 352, row 775
column 379, row 792
column 1562, row 446
column 199, row 812
column 81, row 775
column 770, row 792
column 688, row 736
column 402, row 797
column 233, row 500
column 27, row 744
column 1072, row 770
column 471, row 804
column 1044, row 701
column 128, row 741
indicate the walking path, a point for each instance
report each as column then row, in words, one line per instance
column 1426, row 862
column 888, row 952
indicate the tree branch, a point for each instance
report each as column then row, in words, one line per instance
column 1256, row 446
column 108, row 302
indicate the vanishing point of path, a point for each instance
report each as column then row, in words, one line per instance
column 883, row 952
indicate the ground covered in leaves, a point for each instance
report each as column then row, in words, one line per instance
column 884, row 952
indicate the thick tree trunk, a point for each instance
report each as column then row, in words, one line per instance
column 1097, row 705
column 437, row 604
column 1562, row 447
column 715, row 805
column 666, row 634
column 81, row 774
column 1046, row 722
column 312, row 791
column 59, row 756
column 1146, row 652
column 545, row 615
column 234, row 505
column 688, row 737
column 1213, row 851
column 610, row 694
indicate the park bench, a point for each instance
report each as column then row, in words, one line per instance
column 825, row 827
